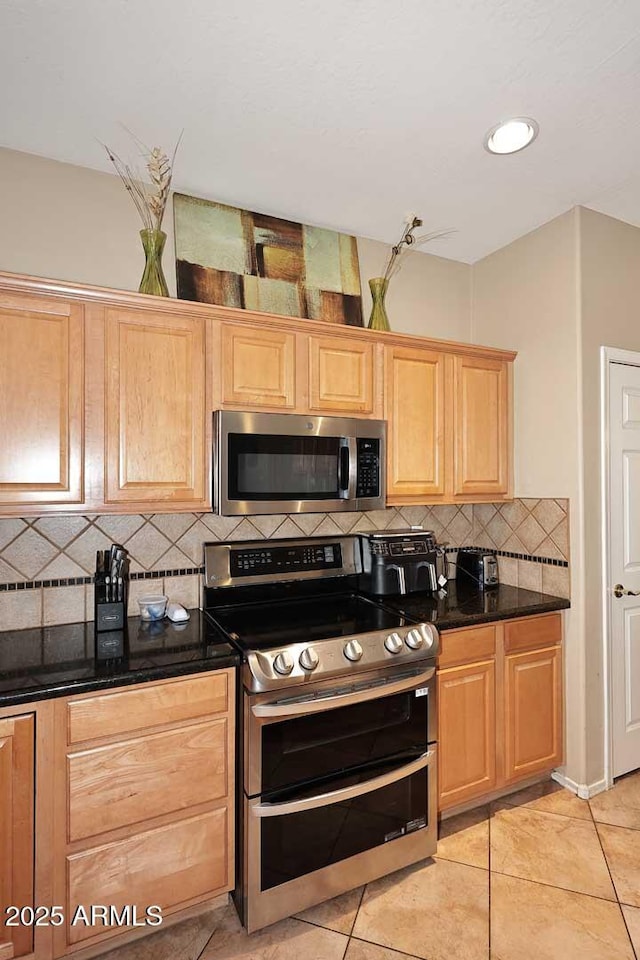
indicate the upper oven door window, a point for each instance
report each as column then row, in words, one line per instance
column 263, row 467
column 325, row 745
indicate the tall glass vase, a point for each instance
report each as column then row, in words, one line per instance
column 378, row 319
column 153, row 280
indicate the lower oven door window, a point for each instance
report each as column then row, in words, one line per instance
column 306, row 833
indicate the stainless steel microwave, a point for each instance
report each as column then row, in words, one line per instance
column 290, row 463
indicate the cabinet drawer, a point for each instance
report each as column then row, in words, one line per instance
column 168, row 866
column 149, row 706
column 135, row 780
column 465, row 646
column 545, row 631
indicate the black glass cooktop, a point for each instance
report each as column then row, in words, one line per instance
column 259, row 626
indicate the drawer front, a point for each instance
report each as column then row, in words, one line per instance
column 166, row 867
column 135, row 780
column 544, row 631
column 465, row 646
column 129, row 710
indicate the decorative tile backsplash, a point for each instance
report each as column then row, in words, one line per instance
column 46, row 563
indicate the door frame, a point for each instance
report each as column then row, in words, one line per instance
column 608, row 355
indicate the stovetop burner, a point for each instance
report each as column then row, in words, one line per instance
column 293, row 613
column 261, row 626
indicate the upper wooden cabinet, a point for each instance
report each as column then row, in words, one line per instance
column 481, row 426
column 341, row 376
column 41, row 399
column 258, row 368
column 414, row 409
column 154, row 408
column 107, row 398
column 17, row 799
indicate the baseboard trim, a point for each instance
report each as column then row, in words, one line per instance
column 583, row 790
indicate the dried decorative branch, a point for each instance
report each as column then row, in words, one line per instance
column 150, row 198
column 408, row 239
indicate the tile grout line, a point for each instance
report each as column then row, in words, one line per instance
column 555, row 886
column 613, row 883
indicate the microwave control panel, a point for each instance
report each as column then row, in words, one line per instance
column 368, row 481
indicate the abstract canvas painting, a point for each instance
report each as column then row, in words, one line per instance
column 237, row 258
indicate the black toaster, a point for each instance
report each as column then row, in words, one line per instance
column 478, row 568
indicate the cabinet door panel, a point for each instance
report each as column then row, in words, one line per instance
column 258, row 367
column 16, row 829
column 414, row 398
column 155, row 433
column 134, row 780
column 41, row 399
column 467, row 729
column 533, row 712
column 481, row 398
column 168, row 866
column 341, row 375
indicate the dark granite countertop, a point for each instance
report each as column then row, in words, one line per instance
column 466, row 607
column 60, row 661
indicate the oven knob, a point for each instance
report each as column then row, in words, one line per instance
column 353, row 650
column 393, row 643
column 414, row 639
column 308, row 659
column 283, row 663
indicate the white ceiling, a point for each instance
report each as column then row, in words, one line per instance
column 343, row 113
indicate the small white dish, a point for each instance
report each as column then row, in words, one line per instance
column 152, row 607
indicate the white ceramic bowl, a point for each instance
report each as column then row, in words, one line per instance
column 153, row 607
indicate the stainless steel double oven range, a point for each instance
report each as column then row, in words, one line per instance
column 336, row 723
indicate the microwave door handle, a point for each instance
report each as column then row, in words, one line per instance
column 352, row 447
column 345, row 793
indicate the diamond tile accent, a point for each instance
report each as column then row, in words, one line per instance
column 173, row 525
column 346, row 521
column 83, row 549
column 147, row 545
column 119, row 529
column 9, row 530
column 247, row 531
column 191, row 542
column 514, row 513
column 60, row 568
column 61, row 530
column 29, row 553
column 484, row 512
column 220, row 528
column 268, row 524
column 289, row 529
column 530, row 533
column 499, row 531
column 308, row 523
column 9, row 574
column 548, row 514
column 414, row 515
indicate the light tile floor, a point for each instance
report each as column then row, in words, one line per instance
column 540, row 875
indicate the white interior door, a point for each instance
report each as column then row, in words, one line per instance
column 624, row 564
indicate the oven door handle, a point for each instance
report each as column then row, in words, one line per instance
column 345, row 793
column 318, row 704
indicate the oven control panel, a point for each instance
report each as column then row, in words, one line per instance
column 247, row 562
column 340, row 656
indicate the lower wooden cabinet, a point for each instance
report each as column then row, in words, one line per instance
column 17, row 796
column 467, row 755
column 499, row 706
column 144, row 803
column 533, row 712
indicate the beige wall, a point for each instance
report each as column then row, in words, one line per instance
column 526, row 297
column 72, row 223
column 610, row 292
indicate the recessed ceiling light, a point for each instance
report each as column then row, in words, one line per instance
column 511, row 135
